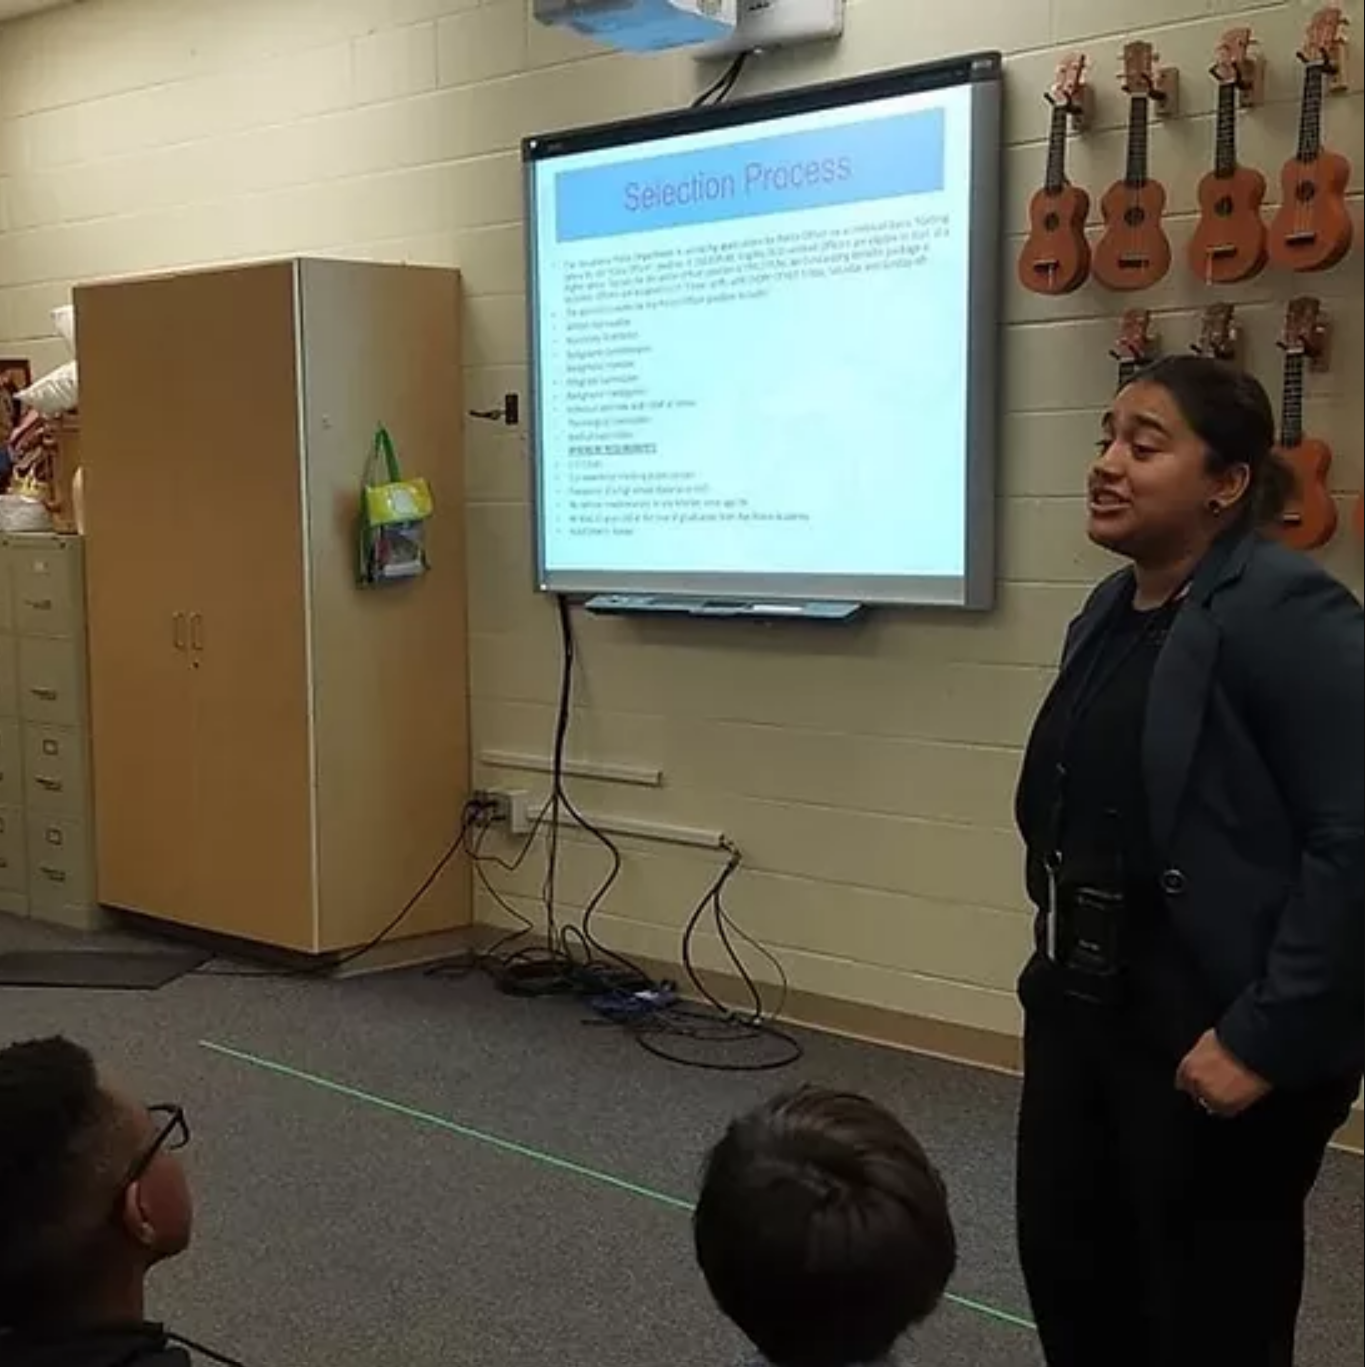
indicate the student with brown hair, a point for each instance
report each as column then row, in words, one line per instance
column 823, row 1230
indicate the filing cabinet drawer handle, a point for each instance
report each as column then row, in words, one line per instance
column 45, row 694
column 54, row 875
column 52, row 785
column 39, row 604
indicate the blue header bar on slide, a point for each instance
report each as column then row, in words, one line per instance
column 885, row 158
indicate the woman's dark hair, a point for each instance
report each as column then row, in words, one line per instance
column 823, row 1230
column 1229, row 411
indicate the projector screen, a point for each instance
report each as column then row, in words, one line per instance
column 763, row 345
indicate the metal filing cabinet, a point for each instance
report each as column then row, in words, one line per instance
column 46, row 864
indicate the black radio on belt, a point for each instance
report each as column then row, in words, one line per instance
column 1088, row 919
column 1087, row 942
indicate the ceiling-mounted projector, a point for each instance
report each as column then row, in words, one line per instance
column 643, row 25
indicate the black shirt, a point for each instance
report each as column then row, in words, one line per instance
column 133, row 1345
column 1083, row 780
column 1092, row 728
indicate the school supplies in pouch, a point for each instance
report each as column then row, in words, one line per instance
column 393, row 513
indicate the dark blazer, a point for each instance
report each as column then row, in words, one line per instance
column 1254, row 765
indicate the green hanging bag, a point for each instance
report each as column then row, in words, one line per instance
column 393, row 514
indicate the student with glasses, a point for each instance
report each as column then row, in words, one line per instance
column 92, row 1198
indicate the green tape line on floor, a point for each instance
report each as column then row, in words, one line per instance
column 509, row 1146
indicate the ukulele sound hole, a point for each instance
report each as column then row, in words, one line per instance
column 1307, row 192
column 1224, row 207
column 1052, row 222
column 1135, row 216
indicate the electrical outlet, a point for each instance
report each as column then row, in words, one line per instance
column 519, row 819
column 780, row 23
column 509, row 807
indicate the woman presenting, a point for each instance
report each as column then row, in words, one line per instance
column 1193, row 806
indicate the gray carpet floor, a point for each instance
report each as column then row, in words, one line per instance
column 402, row 1169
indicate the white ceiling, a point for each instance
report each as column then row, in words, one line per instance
column 12, row 9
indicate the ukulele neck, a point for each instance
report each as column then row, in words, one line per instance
column 1139, row 114
column 1056, row 150
column 1310, row 117
column 1225, row 144
column 1291, row 424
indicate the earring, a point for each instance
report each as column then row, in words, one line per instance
column 1216, row 508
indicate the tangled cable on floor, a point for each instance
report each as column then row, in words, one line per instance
column 573, row 961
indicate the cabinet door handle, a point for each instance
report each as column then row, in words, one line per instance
column 196, row 631
column 44, row 694
column 53, row 785
column 53, row 875
column 178, row 636
column 39, row 604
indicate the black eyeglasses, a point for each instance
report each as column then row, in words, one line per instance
column 173, row 1133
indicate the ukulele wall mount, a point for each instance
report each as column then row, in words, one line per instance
column 1318, row 350
column 1317, row 342
column 1165, row 94
column 1338, row 70
column 1220, row 334
column 1081, row 110
column 1250, row 80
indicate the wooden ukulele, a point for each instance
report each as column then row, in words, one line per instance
column 1313, row 230
column 1135, row 347
column 1134, row 252
column 1056, row 257
column 1229, row 243
column 1310, row 520
column 1218, row 337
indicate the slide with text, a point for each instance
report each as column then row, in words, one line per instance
column 752, row 347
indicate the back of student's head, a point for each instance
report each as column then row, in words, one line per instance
column 85, row 1196
column 823, row 1230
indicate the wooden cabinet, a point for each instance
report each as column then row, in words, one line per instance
column 279, row 755
column 45, row 819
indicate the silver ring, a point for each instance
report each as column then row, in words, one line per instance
column 1204, row 1106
